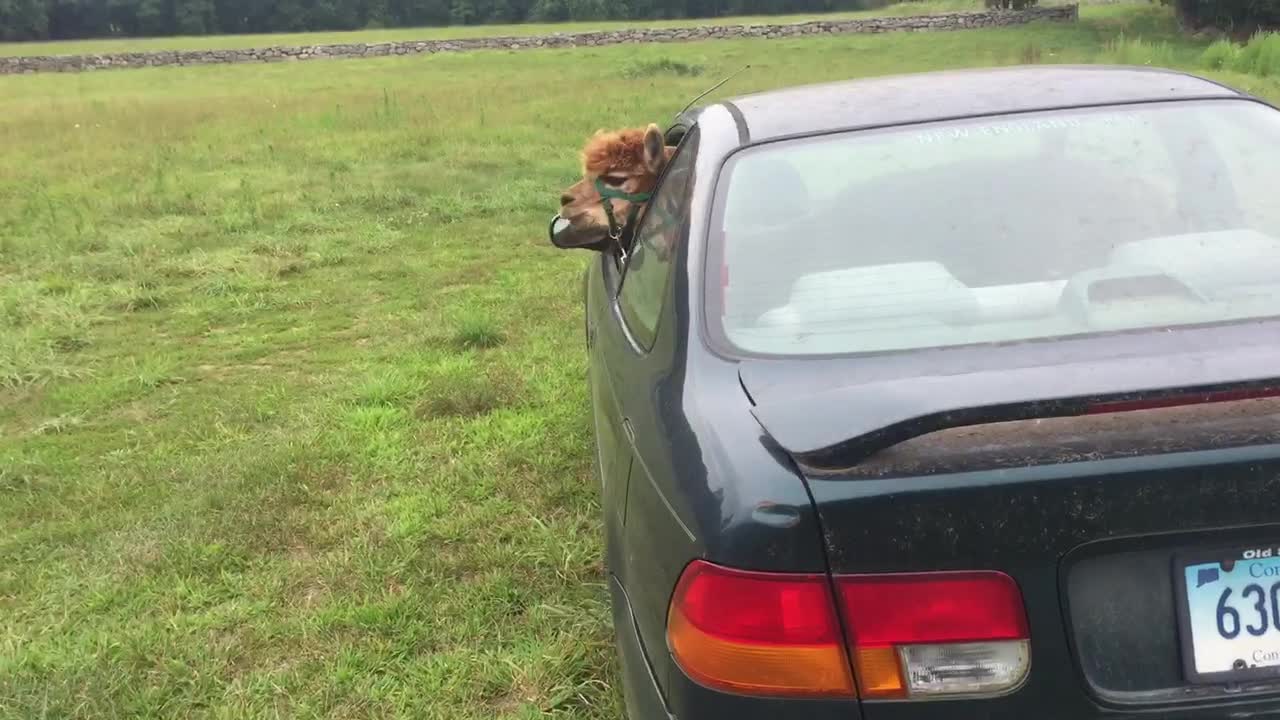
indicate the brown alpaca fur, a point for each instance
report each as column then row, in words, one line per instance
column 630, row 159
column 608, row 150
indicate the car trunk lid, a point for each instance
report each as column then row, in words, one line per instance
column 828, row 417
column 1083, row 481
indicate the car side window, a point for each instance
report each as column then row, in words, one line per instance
column 645, row 276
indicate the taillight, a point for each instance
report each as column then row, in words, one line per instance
column 910, row 636
column 921, row 635
column 758, row 633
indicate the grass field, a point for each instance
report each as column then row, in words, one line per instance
column 226, row 42
column 292, row 406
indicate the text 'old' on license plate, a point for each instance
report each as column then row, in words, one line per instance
column 1229, row 614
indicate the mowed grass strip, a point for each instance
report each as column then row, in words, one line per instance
column 293, row 420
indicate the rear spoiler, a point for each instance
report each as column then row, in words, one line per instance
column 844, row 425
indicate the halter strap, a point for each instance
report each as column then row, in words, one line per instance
column 618, row 230
column 607, row 193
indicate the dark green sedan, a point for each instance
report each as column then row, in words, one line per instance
column 949, row 396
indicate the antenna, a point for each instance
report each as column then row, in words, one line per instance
column 711, row 90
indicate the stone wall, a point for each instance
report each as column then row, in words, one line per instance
column 918, row 23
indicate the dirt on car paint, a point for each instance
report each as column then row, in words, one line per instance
column 1052, row 441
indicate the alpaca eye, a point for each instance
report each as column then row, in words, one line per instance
column 614, row 180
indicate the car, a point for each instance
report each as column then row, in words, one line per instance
column 948, row 395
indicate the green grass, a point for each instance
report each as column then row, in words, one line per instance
column 226, row 42
column 293, row 420
column 1124, row 50
column 1260, row 56
column 661, row 66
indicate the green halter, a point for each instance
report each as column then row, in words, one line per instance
column 608, row 193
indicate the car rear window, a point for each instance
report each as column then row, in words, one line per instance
column 999, row 230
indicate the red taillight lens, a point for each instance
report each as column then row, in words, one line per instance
column 910, row 635
column 932, row 608
column 758, row 633
column 947, row 633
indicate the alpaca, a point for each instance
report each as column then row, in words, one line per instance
column 620, row 169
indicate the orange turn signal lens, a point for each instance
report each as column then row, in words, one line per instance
column 909, row 636
column 810, row 670
column 879, row 672
column 758, row 633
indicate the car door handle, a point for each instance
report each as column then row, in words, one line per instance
column 626, row 428
column 591, row 334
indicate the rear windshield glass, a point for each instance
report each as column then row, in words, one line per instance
column 1000, row 230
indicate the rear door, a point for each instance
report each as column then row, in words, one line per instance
column 622, row 326
column 613, row 453
column 633, row 346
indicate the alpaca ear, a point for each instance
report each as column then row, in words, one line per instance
column 655, row 156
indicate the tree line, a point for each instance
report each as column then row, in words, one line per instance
column 1240, row 17
column 73, row 19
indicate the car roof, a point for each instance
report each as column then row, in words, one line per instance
column 922, row 97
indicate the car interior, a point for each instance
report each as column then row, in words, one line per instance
column 920, row 259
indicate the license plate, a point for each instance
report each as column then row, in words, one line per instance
column 1229, row 614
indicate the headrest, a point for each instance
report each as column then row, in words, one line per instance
column 1211, row 259
column 923, row 291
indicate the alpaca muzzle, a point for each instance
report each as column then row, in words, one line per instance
column 565, row 235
